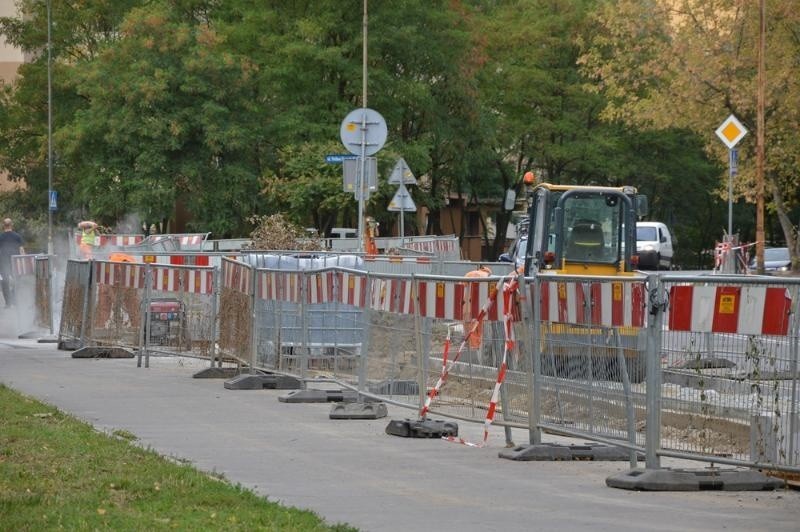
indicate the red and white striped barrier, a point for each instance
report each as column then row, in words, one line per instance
column 444, row 300
column 752, row 310
column 164, row 279
column 113, row 240
column 447, row 366
column 352, row 289
column 192, row 240
column 23, row 265
column 436, row 246
column 322, row 287
column 611, row 304
column 392, row 295
column 125, row 274
column 279, row 286
column 237, row 276
column 509, row 293
column 396, row 259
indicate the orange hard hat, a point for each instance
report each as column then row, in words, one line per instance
column 121, row 257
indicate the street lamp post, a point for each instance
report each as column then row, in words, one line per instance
column 49, row 134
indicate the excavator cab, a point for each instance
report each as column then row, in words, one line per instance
column 582, row 230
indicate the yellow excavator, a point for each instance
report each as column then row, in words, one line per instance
column 583, row 230
column 587, row 231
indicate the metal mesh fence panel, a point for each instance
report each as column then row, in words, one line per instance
column 181, row 310
column 729, row 369
column 115, row 304
column 43, row 301
column 75, row 302
column 393, row 358
column 309, row 323
column 463, row 338
column 236, row 311
column 591, row 353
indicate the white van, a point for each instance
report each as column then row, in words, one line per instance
column 654, row 245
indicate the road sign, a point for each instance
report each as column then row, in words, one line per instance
column 734, row 161
column 337, row 158
column 402, row 201
column 731, row 131
column 53, row 200
column 365, row 126
column 401, row 174
column 350, row 169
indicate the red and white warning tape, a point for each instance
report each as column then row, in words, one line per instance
column 509, row 288
column 446, row 366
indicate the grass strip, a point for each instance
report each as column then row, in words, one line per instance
column 59, row 472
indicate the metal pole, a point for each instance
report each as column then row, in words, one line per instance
column 402, row 227
column 49, row 134
column 760, row 137
column 653, row 378
column 731, row 165
column 362, row 161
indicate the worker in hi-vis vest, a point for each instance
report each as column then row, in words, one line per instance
column 90, row 239
column 469, row 320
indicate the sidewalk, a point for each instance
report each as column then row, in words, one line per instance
column 352, row 471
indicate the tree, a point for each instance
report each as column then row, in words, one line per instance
column 167, row 120
column 690, row 63
column 540, row 113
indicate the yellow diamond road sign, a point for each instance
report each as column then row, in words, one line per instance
column 731, row 132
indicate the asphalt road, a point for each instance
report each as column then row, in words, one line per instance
column 351, row 471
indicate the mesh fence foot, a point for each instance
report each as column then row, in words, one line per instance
column 216, row 373
column 320, row 396
column 102, row 352
column 358, row 411
column 423, row 428
column 556, row 451
column 260, row 381
column 693, row 480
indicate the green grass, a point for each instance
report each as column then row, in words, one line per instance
column 59, row 473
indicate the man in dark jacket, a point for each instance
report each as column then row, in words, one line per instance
column 10, row 244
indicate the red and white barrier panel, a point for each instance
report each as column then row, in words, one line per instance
column 434, row 246
column 166, row 279
column 730, row 309
column 191, row 240
column 396, row 258
column 611, row 304
column 352, row 289
column 125, row 274
column 237, row 276
column 279, row 286
column 113, row 240
column 23, row 265
column 321, row 287
column 392, row 295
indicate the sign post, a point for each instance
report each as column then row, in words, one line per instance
column 402, row 202
column 363, row 132
column 730, row 132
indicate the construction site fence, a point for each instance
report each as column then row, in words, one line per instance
column 151, row 308
column 697, row 367
column 32, row 284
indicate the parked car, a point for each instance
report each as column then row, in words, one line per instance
column 775, row 260
column 654, row 245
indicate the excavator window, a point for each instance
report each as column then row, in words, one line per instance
column 586, row 242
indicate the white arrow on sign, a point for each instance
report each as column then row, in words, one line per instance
column 401, row 174
column 402, row 201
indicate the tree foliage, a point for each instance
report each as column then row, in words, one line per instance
column 691, row 63
column 227, row 108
